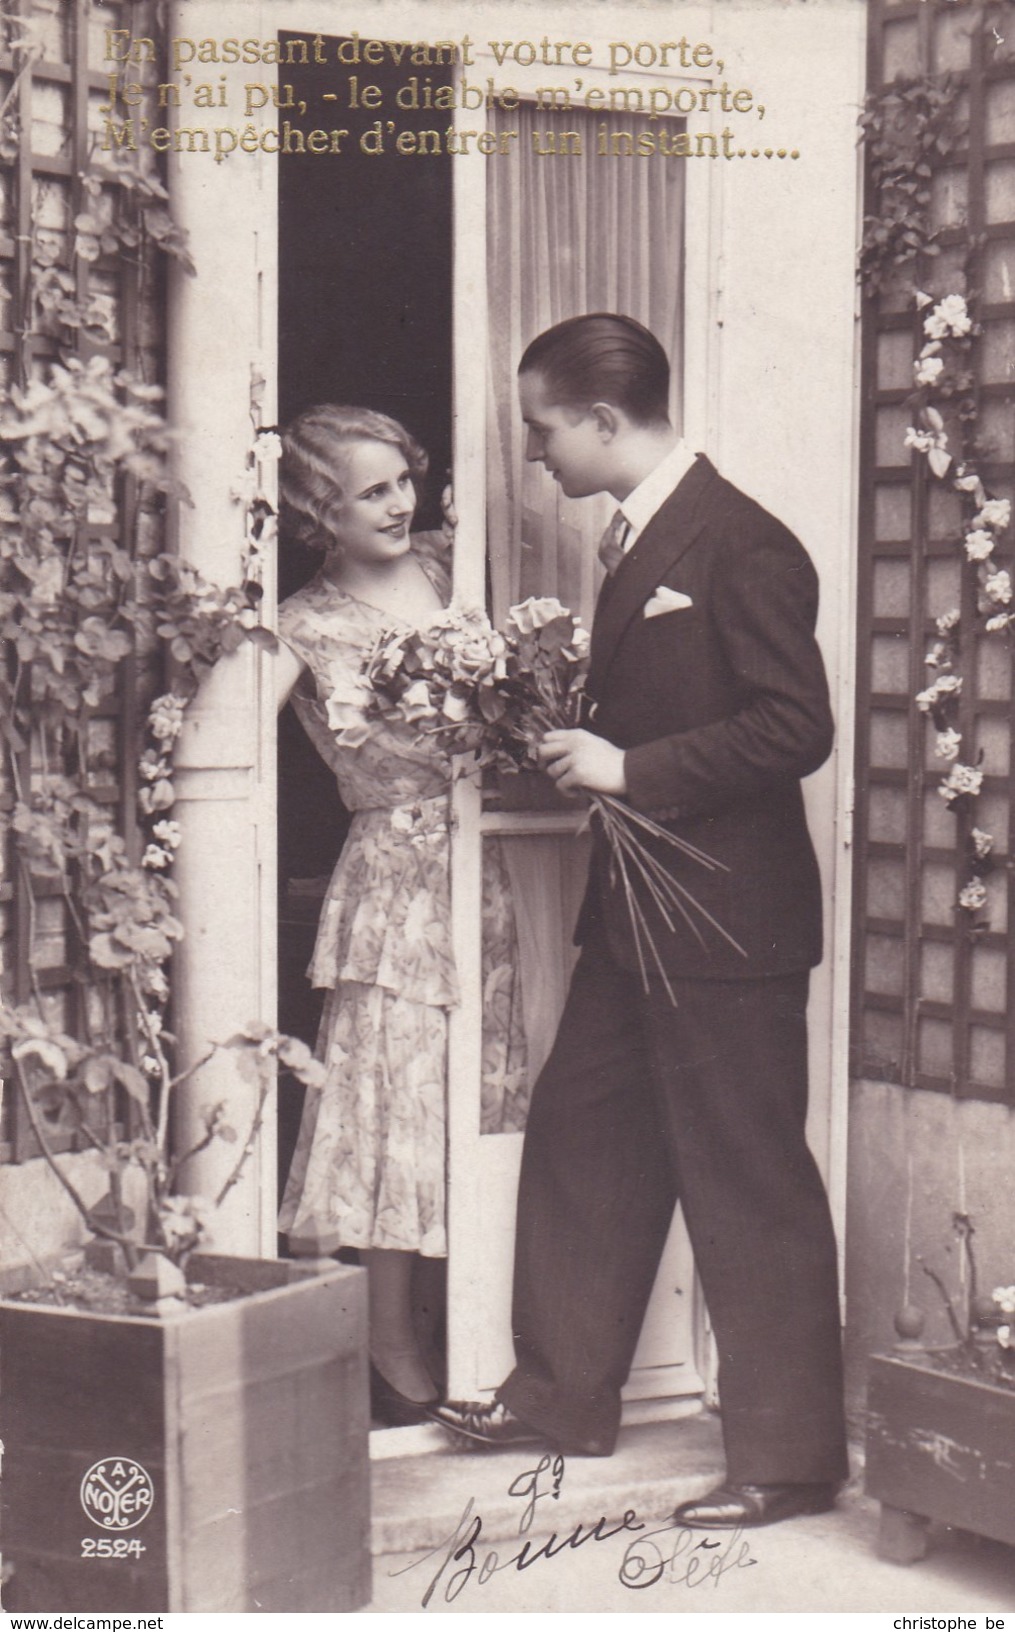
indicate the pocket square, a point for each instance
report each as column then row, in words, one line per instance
column 666, row 600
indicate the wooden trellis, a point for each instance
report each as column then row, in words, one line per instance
column 934, row 1005
column 53, row 83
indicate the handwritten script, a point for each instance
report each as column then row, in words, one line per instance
column 669, row 1553
column 682, row 1557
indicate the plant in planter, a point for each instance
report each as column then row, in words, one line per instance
column 941, row 1421
column 210, row 1451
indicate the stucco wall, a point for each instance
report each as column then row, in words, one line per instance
column 921, row 1157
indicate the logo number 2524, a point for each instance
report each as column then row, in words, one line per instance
column 111, row 1547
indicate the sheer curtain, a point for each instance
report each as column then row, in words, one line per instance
column 566, row 234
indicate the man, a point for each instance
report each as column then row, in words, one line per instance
column 708, row 703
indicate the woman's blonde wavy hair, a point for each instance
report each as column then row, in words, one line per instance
column 314, row 445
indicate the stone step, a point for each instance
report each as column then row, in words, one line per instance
column 421, row 1501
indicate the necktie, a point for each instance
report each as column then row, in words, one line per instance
column 611, row 545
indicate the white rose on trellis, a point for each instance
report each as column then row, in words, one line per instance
column 926, row 370
column 946, row 685
column 983, row 844
column 165, row 717
column 931, row 439
column 997, row 587
column 962, row 781
column 973, row 896
column 169, row 834
column 924, row 441
column 994, row 513
column 950, row 318
column 979, row 544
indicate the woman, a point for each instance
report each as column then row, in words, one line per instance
column 369, row 1166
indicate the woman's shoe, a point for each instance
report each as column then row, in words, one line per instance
column 396, row 1410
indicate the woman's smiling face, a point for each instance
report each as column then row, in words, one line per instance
column 371, row 524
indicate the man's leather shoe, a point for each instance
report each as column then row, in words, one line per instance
column 733, row 1507
column 485, row 1423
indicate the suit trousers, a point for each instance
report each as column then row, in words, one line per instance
column 643, row 1103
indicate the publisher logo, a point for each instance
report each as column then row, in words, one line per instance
column 117, row 1493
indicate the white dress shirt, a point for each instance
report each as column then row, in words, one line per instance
column 643, row 501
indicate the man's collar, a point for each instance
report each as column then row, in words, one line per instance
column 643, row 501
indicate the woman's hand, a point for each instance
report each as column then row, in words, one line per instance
column 577, row 759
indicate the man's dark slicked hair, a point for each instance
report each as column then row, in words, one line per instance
column 602, row 357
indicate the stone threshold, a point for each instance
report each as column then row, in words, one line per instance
column 420, row 1500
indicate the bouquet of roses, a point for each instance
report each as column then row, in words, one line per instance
column 496, row 693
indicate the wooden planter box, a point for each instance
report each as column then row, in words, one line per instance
column 939, row 1447
column 248, row 1421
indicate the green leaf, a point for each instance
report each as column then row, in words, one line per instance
column 132, row 1080
column 107, row 953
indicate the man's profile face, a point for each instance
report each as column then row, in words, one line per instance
column 567, row 440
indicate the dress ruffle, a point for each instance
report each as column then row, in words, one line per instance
column 386, row 919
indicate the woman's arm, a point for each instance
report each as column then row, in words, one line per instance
column 288, row 668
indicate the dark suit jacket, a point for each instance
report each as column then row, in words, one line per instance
column 722, row 707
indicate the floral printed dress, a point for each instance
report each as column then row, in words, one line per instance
column 369, row 1166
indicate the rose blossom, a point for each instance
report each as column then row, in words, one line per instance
column 475, row 657
column 927, row 369
column 979, row 545
column 168, row 833
column 948, row 744
column 994, row 513
column 950, row 316
column 973, row 896
column 983, row 844
column 533, row 614
column 998, row 587
column 165, row 717
column 415, row 702
column 961, row 780
column 946, row 685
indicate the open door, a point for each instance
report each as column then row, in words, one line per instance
column 536, row 242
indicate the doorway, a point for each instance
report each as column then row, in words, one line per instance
column 364, row 317
column 381, row 260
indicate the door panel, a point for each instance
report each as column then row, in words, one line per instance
column 555, row 240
